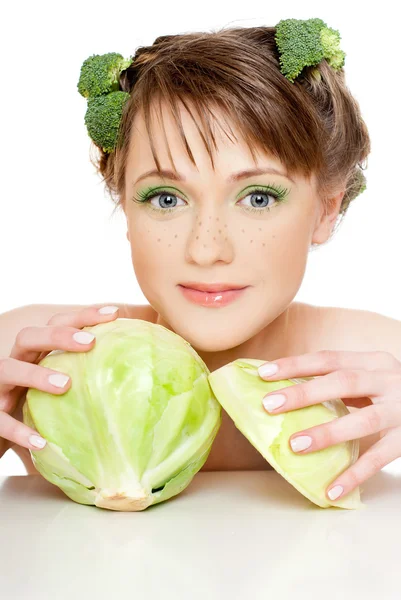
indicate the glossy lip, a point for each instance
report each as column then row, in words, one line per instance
column 211, row 287
column 211, row 299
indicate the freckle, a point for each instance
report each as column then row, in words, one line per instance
column 177, row 235
column 148, row 231
column 158, row 239
column 226, row 238
column 214, row 238
column 260, row 229
column 225, row 225
column 242, row 230
column 197, row 237
column 169, row 245
column 210, row 217
column 217, row 219
column 219, row 230
column 204, row 245
column 264, row 244
column 251, row 241
column 200, row 222
column 207, row 230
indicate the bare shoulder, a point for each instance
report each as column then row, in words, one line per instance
column 339, row 328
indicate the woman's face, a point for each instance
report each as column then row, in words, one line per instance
column 218, row 230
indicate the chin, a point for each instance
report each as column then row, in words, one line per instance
column 209, row 346
column 213, row 336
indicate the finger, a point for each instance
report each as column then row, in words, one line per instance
column 84, row 317
column 346, row 383
column 75, row 320
column 20, row 434
column 14, row 372
column 32, row 339
column 371, row 462
column 326, row 361
column 359, row 424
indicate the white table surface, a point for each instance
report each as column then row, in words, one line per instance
column 240, row 535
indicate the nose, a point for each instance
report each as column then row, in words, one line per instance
column 209, row 240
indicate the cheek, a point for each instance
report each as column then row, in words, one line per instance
column 151, row 248
column 282, row 252
column 278, row 270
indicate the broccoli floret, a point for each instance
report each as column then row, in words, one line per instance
column 361, row 183
column 100, row 74
column 103, row 118
column 99, row 82
column 306, row 43
column 330, row 39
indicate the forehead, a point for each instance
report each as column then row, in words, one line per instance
column 229, row 145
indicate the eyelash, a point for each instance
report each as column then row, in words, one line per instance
column 279, row 194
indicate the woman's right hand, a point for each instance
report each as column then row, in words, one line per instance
column 20, row 370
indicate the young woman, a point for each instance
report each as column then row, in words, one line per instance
column 228, row 172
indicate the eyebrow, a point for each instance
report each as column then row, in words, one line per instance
column 165, row 173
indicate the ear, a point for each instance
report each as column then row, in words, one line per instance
column 326, row 219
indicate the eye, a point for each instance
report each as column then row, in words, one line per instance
column 165, row 204
column 260, row 199
column 164, row 200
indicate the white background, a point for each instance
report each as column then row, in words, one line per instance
column 58, row 241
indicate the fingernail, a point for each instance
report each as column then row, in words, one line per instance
column 58, row 379
column 83, row 337
column 301, row 443
column 267, row 370
column 274, row 401
column 37, row 441
column 335, row 492
column 108, row 310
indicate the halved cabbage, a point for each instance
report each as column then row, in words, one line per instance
column 240, row 390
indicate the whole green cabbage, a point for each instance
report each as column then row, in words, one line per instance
column 137, row 423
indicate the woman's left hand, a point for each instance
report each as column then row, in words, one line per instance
column 370, row 381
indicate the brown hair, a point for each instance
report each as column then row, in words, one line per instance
column 313, row 125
